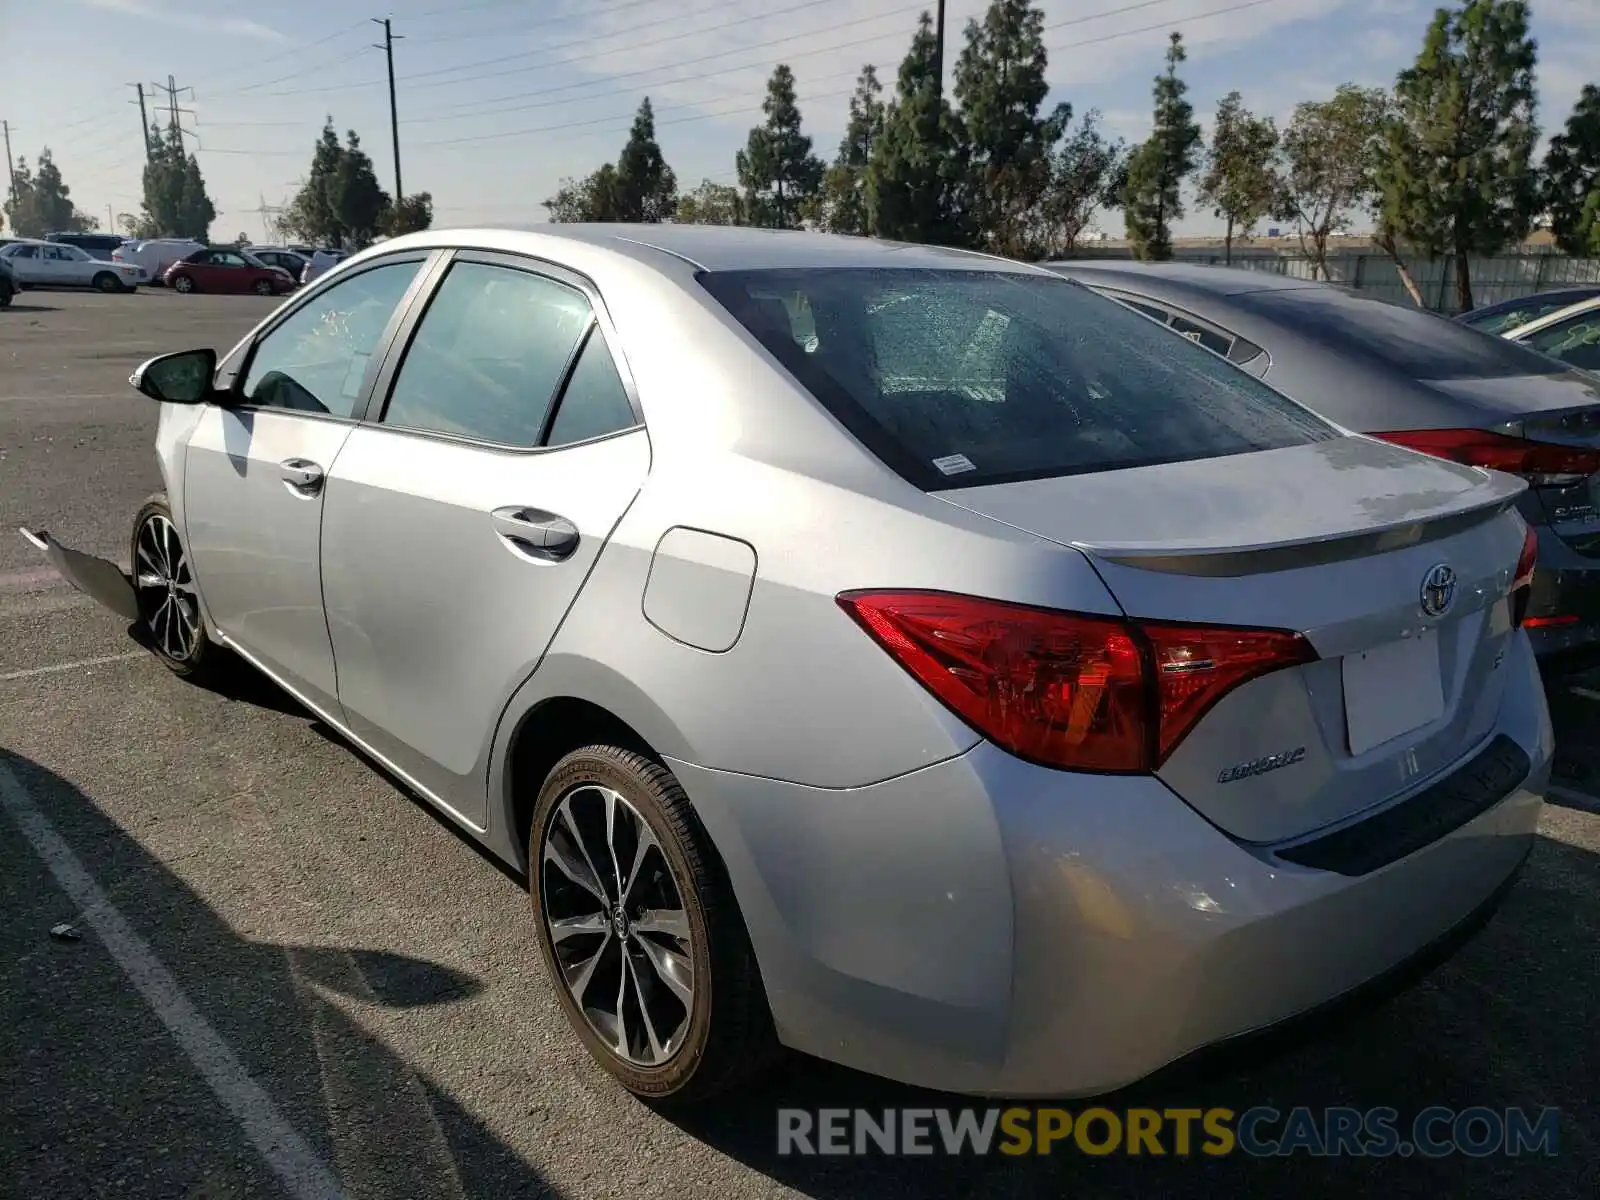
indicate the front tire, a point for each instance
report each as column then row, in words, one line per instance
column 106, row 282
column 640, row 932
column 169, row 601
column 183, row 284
column 263, row 288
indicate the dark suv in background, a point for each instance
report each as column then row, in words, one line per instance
column 100, row 245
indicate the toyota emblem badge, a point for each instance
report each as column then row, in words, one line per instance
column 1438, row 590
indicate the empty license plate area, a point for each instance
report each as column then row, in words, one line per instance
column 1391, row 690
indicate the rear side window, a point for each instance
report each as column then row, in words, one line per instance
column 1414, row 343
column 1575, row 341
column 593, row 403
column 1505, row 320
column 488, row 356
column 959, row 378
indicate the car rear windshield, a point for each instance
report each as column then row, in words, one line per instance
column 960, row 378
column 1417, row 344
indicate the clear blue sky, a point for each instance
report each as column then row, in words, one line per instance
column 499, row 99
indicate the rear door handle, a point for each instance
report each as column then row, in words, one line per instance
column 536, row 533
column 302, row 475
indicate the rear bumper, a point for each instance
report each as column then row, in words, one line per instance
column 992, row 927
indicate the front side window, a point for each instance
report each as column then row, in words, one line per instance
column 316, row 360
column 488, row 355
column 961, row 378
column 1575, row 341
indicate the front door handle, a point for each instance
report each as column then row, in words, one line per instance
column 536, row 533
column 302, row 475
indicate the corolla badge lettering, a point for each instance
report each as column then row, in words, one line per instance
column 1260, row 766
column 1438, row 590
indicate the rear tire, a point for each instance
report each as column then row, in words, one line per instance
column 5, row 296
column 693, row 1021
column 107, row 282
column 183, row 284
column 169, row 600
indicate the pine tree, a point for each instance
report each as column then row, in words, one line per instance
column 647, row 189
column 777, row 170
column 43, row 202
column 1238, row 183
column 842, row 204
column 358, row 199
column 1000, row 84
column 1153, row 199
column 916, row 165
column 410, row 215
column 1457, row 174
column 1572, row 178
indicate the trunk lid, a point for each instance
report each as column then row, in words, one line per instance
column 1333, row 540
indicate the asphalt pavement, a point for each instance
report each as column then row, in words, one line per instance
column 289, row 979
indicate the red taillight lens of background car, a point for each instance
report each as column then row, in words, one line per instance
column 1522, row 581
column 1496, row 451
column 1068, row 690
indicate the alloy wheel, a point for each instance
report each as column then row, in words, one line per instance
column 165, row 587
column 615, row 917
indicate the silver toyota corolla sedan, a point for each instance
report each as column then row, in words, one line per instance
column 899, row 654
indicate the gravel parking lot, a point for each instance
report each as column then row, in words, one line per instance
column 286, row 962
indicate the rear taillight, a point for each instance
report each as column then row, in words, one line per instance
column 1069, row 690
column 1540, row 462
column 1522, row 581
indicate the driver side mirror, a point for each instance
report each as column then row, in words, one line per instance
column 181, row 378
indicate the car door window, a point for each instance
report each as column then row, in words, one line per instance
column 594, row 402
column 488, row 355
column 25, row 252
column 316, row 359
column 1575, row 341
column 223, row 259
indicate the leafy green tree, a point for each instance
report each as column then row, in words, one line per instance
column 1457, row 171
column 341, row 202
column 43, row 202
column 777, row 170
column 596, row 197
column 916, row 167
column 841, row 206
column 1087, row 173
column 1326, row 159
column 1572, row 178
column 1000, row 84
column 175, row 200
column 1238, row 182
column 710, row 204
column 647, row 188
column 412, row 214
column 1153, row 198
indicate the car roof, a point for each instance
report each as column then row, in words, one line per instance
column 1521, row 332
column 1194, row 278
column 719, row 247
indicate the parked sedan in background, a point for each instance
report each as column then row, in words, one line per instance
column 289, row 260
column 1507, row 315
column 227, row 271
column 1416, row 379
column 37, row 263
column 1571, row 334
column 901, row 654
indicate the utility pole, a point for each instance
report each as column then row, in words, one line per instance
column 111, row 220
column 11, row 163
column 175, row 114
column 144, row 121
column 939, row 52
column 394, row 113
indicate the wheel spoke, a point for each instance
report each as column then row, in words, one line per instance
column 576, row 832
column 563, row 928
column 673, row 922
column 672, row 969
column 658, row 1050
column 578, row 975
column 647, row 841
column 622, row 1046
column 613, row 801
column 558, row 851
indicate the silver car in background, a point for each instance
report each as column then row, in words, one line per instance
column 899, row 654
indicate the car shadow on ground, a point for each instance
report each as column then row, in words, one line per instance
column 100, row 1098
column 1508, row 1021
column 27, row 307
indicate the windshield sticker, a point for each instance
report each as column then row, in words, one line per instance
column 954, row 464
